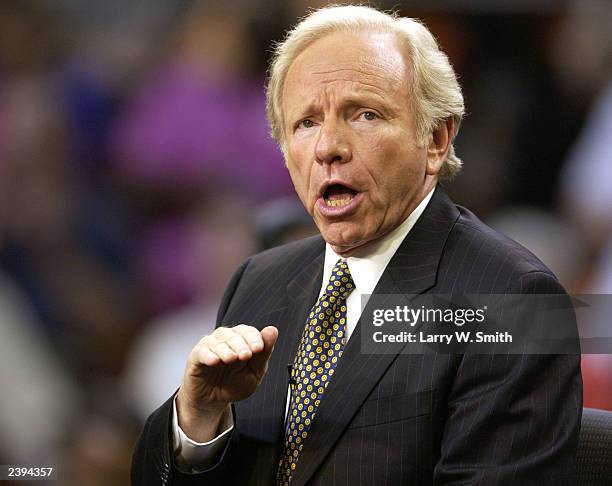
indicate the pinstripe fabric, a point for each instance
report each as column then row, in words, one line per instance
column 399, row 419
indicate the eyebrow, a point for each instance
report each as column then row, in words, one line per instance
column 352, row 100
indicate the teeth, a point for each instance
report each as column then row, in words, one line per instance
column 338, row 202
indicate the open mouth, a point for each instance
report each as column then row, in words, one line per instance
column 338, row 195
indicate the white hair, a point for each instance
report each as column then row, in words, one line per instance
column 436, row 94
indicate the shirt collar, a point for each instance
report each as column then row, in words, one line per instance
column 367, row 268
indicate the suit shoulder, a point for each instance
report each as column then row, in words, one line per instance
column 486, row 258
column 290, row 255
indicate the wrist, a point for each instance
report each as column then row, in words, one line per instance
column 201, row 423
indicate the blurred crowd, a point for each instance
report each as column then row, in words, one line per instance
column 137, row 172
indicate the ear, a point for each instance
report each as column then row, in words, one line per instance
column 439, row 142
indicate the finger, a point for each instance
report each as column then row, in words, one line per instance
column 202, row 353
column 238, row 345
column 251, row 336
column 221, row 349
column 207, row 357
column 234, row 341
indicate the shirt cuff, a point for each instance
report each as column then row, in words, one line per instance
column 193, row 457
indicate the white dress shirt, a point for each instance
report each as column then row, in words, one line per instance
column 366, row 268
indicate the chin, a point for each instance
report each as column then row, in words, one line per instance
column 344, row 243
column 339, row 234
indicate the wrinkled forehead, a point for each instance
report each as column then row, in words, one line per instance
column 369, row 60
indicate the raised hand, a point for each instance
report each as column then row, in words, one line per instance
column 224, row 367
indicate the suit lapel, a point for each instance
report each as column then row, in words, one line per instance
column 412, row 270
column 261, row 417
column 302, row 292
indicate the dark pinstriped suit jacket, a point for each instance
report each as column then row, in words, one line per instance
column 396, row 419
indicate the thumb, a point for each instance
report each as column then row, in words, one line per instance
column 269, row 335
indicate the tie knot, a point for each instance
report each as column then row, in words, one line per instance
column 340, row 283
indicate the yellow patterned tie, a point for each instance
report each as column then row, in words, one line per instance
column 320, row 349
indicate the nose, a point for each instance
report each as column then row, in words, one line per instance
column 332, row 144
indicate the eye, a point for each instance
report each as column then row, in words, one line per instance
column 369, row 115
column 307, row 123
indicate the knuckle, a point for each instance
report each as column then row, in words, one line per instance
column 224, row 336
column 223, row 347
column 202, row 340
column 219, row 332
column 217, row 346
column 204, row 343
column 195, row 357
column 246, row 329
column 236, row 339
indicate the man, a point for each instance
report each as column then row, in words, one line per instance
column 365, row 107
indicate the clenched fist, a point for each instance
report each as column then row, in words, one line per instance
column 224, row 367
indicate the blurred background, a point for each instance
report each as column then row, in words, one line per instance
column 136, row 173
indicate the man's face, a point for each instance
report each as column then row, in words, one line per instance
column 352, row 147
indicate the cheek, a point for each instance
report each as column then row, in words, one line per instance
column 300, row 176
column 397, row 172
